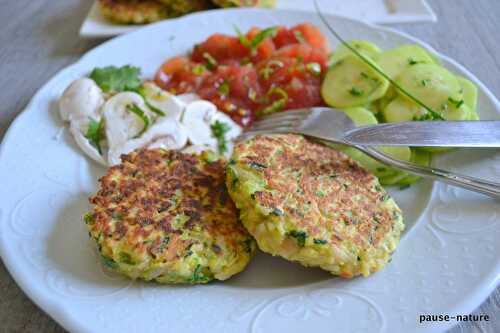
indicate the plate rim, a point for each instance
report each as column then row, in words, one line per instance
column 66, row 320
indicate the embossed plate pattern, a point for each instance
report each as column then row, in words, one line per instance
column 447, row 261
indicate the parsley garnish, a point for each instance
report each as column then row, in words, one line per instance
column 219, row 130
column 114, row 79
column 95, row 132
column 139, row 113
column 259, row 38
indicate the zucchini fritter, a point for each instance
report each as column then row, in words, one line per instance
column 245, row 3
column 314, row 205
column 166, row 216
column 134, row 11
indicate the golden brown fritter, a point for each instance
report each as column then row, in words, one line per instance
column 166, row 216
column 312, row 204
column 245, row 3
column 134, row 11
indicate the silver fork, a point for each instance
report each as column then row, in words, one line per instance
column 334, row 126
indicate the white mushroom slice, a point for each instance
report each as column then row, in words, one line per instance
column 161, row 102
column 121, row 123
column 82, row 99
column 199, row 118
column 196, row 149
column 167, row 133
column 84, row 143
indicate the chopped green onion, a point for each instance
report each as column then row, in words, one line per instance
column 139, row 113
column 300, row 38
column 199, row 69
column 211, row 62
column 224, row 89
column 276, row 105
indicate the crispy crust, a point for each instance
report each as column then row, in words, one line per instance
column 166, row 216
column 296, row 196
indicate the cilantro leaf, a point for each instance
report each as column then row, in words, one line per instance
column 139, row 113
column 95, row 132
column 219, row 130
column 114, row 79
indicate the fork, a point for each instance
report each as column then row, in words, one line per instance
column 327, row 124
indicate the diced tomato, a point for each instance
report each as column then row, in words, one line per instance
column 265, row 49
column 179, row 75
column 313, row 36
column 302, row 34
column 292, row 76
column 235, row 90
column 241, row 79
column 220, row 47
column 304, row 52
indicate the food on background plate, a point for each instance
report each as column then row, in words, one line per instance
column 148, row 11
column 314, row 205
column 166, row 216
column 245, row 3
column 113, row 113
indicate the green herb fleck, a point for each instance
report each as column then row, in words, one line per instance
column 412, row 61
column 356, row 91
column 126, row 258
column 139, row 113
column 199, row 69
column 257, row 40
column 300, row 237
column 268, row 69
column 257, row 166
column 199, row 276
column 95, row 133
column 314, row 68
column 211, row 62
column 108, row 262
column 299, row 36
column 425, row 82
column 457, row 104
column 224, row 89
column 276, row 105
column 114, row 79
column 219, row 130
column 319, row 241
column 277, row 212
column 88, row 218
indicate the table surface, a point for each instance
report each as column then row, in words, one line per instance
column 41, row 37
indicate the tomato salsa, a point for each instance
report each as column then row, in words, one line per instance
column 252, row 74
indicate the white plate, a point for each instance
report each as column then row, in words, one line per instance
column 447, row 262
column 376, row 11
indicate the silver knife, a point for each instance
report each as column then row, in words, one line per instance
column 466, row 134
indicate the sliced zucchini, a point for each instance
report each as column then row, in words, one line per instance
column 469, row 90
column 366, row 48
column 432, row 84
column 352, row 82
column 396, row 60
column 361, row 116
column 401, row 109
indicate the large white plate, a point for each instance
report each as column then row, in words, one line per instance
column 376, row 11
column 447, row 262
